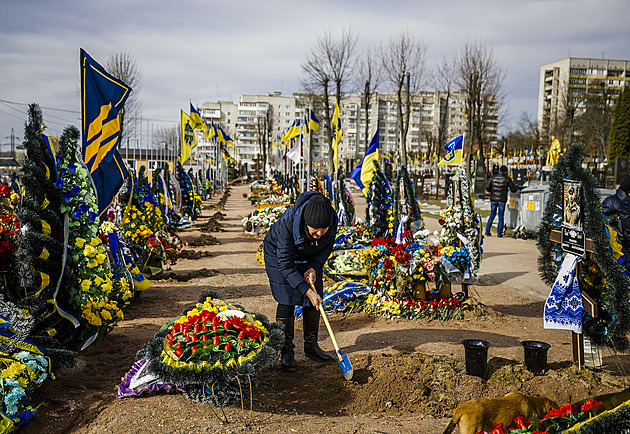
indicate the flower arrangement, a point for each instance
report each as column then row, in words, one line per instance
column 410, row 308
column 259, row 220
column 20, row 375
column 214, row 350
column 9, row 231
column 380, row 212
column 167, row 245
column 276, row 199
column 352, row 237
column 461, row 225
column 555, row 421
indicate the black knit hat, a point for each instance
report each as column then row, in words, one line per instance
column 625, row 185
column 318, row 212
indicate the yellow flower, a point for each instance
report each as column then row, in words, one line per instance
column 133, row 225
column 106, row 315
column 106, row 287
column 120, row 314
column 89, row 251
column 100, row 258
column 14, row 196
column 95, row 241
column 85, row 285
column 79, row 242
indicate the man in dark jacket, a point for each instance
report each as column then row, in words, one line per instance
column 619, row 204
column 296, row 248
column 498, row 186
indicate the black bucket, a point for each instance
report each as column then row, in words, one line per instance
column 476, row 357
column 535, row 356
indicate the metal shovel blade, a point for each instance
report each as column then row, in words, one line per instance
column 345, row 365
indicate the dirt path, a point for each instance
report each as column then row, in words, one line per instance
column 408, row 375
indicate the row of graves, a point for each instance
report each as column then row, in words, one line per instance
column 66, row 273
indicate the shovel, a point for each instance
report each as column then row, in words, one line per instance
column 344, row 362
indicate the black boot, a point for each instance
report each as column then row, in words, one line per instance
column 287, row 358
column 311, row 328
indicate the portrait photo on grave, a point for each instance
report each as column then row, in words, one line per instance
column 572, row 204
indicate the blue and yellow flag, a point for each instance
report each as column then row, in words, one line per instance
column 364, row 172
column 336, row 127
column 102, row 96
column 454, row 151
column 188, row 140
column 313, row 123
column 198, row 122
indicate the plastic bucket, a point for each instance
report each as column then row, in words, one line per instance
column 476, row 357
column 535, row 356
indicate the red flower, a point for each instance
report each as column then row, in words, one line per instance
column 497, row 428
column 521, row 422
column 441, row 222
column 388, row 263
column 590, row 404
column 561, row 411
column 402, row 258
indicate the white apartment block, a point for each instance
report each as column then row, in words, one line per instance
column 572, row 80
column 245, row 119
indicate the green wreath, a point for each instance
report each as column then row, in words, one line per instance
column 613, row 325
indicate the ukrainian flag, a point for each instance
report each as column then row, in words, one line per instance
column 313, row 123
column 454, row 151
column 336, row 125
column 102, row 96
column 364, row 172
column 198, row 122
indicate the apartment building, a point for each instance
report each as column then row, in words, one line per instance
column 245, row 122
column 568, row 83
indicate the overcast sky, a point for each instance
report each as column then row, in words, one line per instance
column 208, row 50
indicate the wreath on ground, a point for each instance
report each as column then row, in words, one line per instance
column 214, row 351
column 613, row 325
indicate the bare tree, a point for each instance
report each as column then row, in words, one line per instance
column 124, row 67
column 403, row 60
column 562, row 121
column 369, row 76
column 481, row 78
column 329, row 64
column 594, row 124
column 444, row 82
column 263, row 126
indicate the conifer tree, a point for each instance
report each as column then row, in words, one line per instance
column 619, row 143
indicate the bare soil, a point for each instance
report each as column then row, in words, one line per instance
column 408, row 375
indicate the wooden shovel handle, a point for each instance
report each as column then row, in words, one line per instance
column 330, row 332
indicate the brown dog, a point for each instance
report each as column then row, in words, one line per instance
column 478, row 415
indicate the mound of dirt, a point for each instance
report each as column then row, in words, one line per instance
column 212, row 226
column 404, row 384
column 185, row 277
column 194, row 254
column 203, row 240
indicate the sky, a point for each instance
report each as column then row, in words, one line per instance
column 203, row 50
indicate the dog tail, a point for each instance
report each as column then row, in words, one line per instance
column 451, row 426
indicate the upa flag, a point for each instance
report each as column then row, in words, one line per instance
column 102, row 97
column 364, row 172
column 336, row 126
column 454, row 151
column 189, row 140
column 198, row 122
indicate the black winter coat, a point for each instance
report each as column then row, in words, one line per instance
column 289, row 252
column 498, row 186
column 619, row 204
